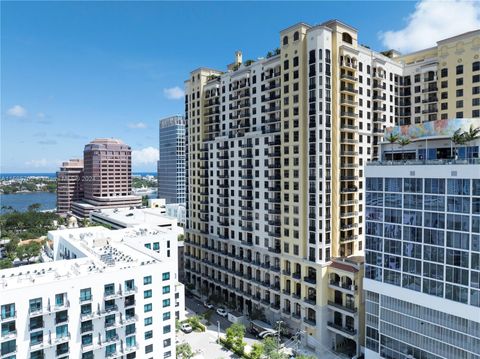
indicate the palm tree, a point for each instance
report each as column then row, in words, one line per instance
column 458, row 138
column 392, row 138
column 403, row 141
column 471, row 135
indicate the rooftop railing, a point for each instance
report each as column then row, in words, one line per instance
column 471, row 161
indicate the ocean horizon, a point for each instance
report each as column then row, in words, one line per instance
column 11, row 175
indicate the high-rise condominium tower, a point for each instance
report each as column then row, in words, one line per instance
column 422, row 251
column 275, row 151
column 171, row 165
column 69, row 184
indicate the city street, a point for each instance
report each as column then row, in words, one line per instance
column 204, row 344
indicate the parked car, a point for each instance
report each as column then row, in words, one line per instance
column 208, row 305
column 222, row 312
column 266, row 334
column 186, row 328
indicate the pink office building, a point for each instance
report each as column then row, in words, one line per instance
column 106, row 178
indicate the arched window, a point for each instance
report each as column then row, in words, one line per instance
column 346, row 37
column 296, row 36
column 285, row 40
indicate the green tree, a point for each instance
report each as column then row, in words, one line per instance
column 234, row 337
column 184, row 351
column 145, row 200
column 194, row 321
column 257, row 351
column 392, row 138
column 21, row 253
column 32, row 249
column 471, row 135
column 34, row 207
column 272, row 350
column 5, row 263
column 180, row 237
column 403, row 141
column 458, row 138
column 11, row 248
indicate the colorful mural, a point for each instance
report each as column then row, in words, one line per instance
column 440, row 128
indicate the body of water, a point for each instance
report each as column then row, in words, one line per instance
column 21, row 201
column 53, row 175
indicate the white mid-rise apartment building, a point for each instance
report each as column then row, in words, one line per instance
column 104, row 296
column 422, row 251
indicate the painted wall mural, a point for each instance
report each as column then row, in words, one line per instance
column 439, row 128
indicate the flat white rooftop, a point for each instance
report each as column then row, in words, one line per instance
column 126, row 217
column 104, row 250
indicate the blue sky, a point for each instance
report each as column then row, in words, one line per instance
column 74, row 71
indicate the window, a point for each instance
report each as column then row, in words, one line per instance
column 85, row 294
column 166, row 289
column 147, row 293
column 459, row 69
column 444, row 72
column 130, row 341
column 130, row 329
column 109, row 289
column 148, row 335
column 156, row 246
column 347, row 38
column 476, row 66
column 167, row 342
column 166, row 303
column 167, row 329
column 35, row 305
column 296, row 36
column 60, row 299
column 166, row 276
column 285, row 40
column 148, row 321
column 148, row 348
column 166, row 316
column 61, row 331
column 129, row 285
column 147, row 280
column 147, row 308
column 9, row 347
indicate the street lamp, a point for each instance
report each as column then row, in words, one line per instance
column 278, row 333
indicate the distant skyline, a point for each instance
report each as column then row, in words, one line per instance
column 75, row 71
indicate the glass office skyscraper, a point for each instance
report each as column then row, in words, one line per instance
column 171, row 164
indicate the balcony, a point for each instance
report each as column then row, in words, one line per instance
column 130, row 290
column 349, row 127
column 310, row 321
column 348, row 89
column 348, row 78
column 342, row 286
column 311, row 280
column 350, row 308
column 343, row 330
column 349, row 114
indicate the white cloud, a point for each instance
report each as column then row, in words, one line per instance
column 433, row 21
column 174, row 93
column 137, row 125
column 147, row 155
column 40, row 115
column 17, row 111
column 43, row 163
